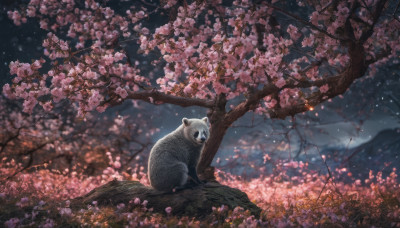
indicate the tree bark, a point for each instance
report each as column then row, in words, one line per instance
column 155, row 97
column 217, row 132
column 216, row 116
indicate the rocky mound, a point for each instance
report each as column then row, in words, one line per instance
column 193, row 202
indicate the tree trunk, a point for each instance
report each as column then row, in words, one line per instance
column 217, row 132
column 218, row 129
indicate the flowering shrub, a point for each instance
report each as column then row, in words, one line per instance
column 314, row 200
column 61, row 141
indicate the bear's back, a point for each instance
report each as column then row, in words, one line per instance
column 173, row 146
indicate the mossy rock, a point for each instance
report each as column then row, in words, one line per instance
column 193, row 202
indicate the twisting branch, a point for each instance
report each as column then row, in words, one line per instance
column 30, row 161
column 338, row 85
column 5, row 143
column 250, row 103
column 148, row 3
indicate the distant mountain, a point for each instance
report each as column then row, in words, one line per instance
column 382, row 153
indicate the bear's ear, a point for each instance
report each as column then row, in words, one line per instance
column 185, row 121
column 205, row 119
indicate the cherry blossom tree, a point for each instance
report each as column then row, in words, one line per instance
column 274, row 58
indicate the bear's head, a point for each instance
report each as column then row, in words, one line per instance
column 196, row 130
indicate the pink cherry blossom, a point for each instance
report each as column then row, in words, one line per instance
column 65, row 211
column 29, row 104
column 12, row 222
column 94, row 100
column 280, row 83
column 219, row 88
column 137, row 201
column 8, row 92
column 324, row 88
column 307, row 41
column 293, row 32
column 47, row 106
column 57, row 94
column 118, row 56
column 168, row 210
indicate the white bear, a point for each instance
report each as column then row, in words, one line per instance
column 174, row 157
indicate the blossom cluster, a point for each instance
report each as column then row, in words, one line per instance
column 207, row 48
column 231, row 57
column 84, row 71
column 83, row 83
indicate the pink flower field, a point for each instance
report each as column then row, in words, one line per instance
column 41, row 199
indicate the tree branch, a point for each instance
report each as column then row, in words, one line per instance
column 395, row 11
column 250, row 103
column 156, row 97
column 303, row 21
column 3, row 145
column 30, row 153
column 376, row 15
column 337, row 85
